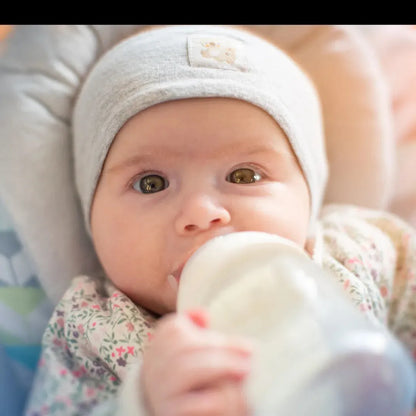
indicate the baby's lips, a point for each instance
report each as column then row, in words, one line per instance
column 173, row 282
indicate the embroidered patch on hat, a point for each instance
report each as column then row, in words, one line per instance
column 219, row 52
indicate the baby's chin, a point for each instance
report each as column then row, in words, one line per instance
column 159, row 302
column 164, row 307
column 157, row 310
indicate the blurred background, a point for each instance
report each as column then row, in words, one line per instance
column 4, row 30
column 24, row 312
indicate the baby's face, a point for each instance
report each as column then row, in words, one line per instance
column 183, row 172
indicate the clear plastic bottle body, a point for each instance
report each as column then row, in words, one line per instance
column 316, row 354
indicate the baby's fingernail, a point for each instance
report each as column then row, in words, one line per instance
column 245, row 346
column 198, row 317
column 244, row 369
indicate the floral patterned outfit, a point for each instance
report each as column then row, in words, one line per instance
column 97, row 333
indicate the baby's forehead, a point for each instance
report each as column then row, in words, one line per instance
column 219, row 125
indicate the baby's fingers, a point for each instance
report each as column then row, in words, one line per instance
column 225, row 399
column 186, row 358
column 205, row 367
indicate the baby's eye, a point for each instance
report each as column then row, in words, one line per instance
column 243, row 176
column 150, row 183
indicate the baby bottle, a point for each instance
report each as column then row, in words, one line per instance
column 315, row 354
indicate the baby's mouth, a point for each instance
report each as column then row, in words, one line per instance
column 173, row 282
column 175, row 277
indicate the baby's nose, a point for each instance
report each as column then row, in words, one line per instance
column 201, row 212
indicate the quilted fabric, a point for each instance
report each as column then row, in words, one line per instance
column 41, row 68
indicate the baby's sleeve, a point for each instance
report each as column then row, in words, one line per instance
column 373, row 255
column 92, row 342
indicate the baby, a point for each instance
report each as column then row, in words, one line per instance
column 182, row 134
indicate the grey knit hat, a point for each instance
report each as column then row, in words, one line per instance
column 179, row 62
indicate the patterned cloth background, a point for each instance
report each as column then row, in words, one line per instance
column 24, row 313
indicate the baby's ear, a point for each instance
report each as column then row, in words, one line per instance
column 355, row 105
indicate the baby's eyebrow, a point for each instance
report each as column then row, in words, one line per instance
column 126, row 163
column 269, row 151
column 148, row 157
column 145, row 155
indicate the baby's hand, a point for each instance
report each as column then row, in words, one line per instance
column 190, row 370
